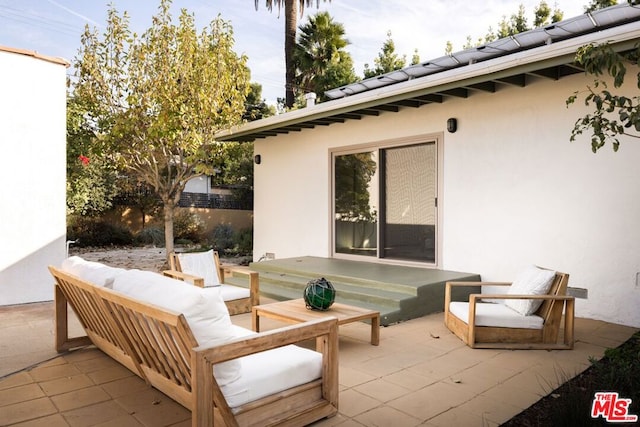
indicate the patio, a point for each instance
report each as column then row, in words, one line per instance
column 421, row 374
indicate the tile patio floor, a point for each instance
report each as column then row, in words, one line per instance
column 419, row 375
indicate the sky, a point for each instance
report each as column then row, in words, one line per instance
column 53, row 27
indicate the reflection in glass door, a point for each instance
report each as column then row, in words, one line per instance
column 355, row 204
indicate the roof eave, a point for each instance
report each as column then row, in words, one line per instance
column 562, row 52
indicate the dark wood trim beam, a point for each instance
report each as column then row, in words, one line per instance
column 458, row 92
column 432, row 98
column 368, row 112
column 552, row 73
column 407, row 103
column 386, row 107
column 484, row 86
column 290, row 129
column 350, row 116
column 519, row 80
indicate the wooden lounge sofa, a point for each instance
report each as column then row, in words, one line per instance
column 487, row 321
column 220, row 382
column 205, row 270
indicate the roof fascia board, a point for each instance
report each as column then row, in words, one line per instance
column 562, row 52
column 36, row 55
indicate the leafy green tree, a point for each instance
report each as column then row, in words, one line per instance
column 387, row 60
column 543, row 15
column 91, row 187
column 158, row 99
column 236, row 171
column 599, row 4
column 353, row 175
column 615, row 114
column 448, row 50
column 517, row 23
column 415, row 58
column 290, row 29
column 321, row 61
column 255, row 107
column 91, row 181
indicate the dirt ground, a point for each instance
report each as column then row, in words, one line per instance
column 142, row 258
column 149, row 258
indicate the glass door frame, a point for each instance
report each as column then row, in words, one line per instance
column 436, row 138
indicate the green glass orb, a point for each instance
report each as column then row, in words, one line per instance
column 319, row 294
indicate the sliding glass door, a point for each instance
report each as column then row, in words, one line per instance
column 385, row 202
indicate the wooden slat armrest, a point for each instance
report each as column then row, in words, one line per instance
column 450, row 285
column 474, row 297
column 478, row 283
column 269, row 340
column 254, row 287
column 194, row 280
column 254, row 281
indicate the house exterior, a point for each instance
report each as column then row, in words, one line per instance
column 463, row 163
column 33, row 173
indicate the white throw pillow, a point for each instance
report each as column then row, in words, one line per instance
column 200, row 264
column 203, row 308
column 532, row 281
column 91, row 271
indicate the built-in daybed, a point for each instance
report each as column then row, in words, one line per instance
column 175, row 335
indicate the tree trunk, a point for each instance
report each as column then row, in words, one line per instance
column 290, row 27
column 168, row 228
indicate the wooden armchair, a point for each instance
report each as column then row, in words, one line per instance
column 204, row 269
column 489, row 324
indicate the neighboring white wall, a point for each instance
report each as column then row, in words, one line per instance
column 33, row 172
column 198, row 184
column 515, row 191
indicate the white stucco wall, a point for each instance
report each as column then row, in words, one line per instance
column 515, row 191
column 33, row 139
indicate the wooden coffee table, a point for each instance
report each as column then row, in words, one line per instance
column 295, row 311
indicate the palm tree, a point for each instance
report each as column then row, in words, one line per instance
column 320, row 58
column 290, row 27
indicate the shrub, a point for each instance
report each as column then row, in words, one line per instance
column 187, row 226
column 98, row 232
column 221, row 239
column 150, row 236
column 244, row 241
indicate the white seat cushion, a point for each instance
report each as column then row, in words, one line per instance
column 497, row 315
column 203, row 308
column 230, row 292
column 266, row 373
column 90, row 271
column 532, row 281
column 200, row 264
column 270, row 372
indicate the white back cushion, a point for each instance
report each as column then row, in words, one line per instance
column 203, row 308
column 532, row 281
column 90, row 271
column 201, row 264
